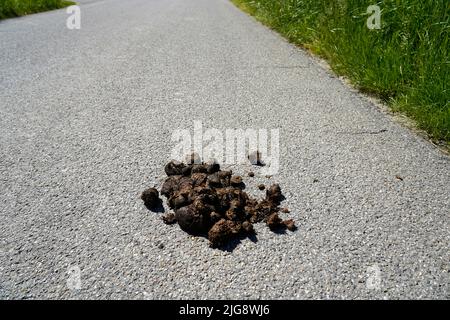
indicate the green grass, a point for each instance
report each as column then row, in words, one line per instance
column 406, row 62
column 16, row 8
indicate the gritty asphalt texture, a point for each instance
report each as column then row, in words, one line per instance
column 86, row 118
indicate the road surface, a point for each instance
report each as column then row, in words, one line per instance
column 86, row 118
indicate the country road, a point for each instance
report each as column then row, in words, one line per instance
column 86, row 118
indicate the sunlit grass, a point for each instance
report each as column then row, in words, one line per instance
column 15, row 8
column 406, row 62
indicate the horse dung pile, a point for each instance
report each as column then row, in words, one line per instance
column 211, row 202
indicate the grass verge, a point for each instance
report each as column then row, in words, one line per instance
column 406, row 62
column 16, row 8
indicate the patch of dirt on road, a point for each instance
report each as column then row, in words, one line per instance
column 207, row 201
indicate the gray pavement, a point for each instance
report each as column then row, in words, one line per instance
column 86, row 118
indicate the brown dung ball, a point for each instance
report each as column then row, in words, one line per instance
column 151, row 198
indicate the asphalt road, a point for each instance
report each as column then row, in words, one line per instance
column 86, row 118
